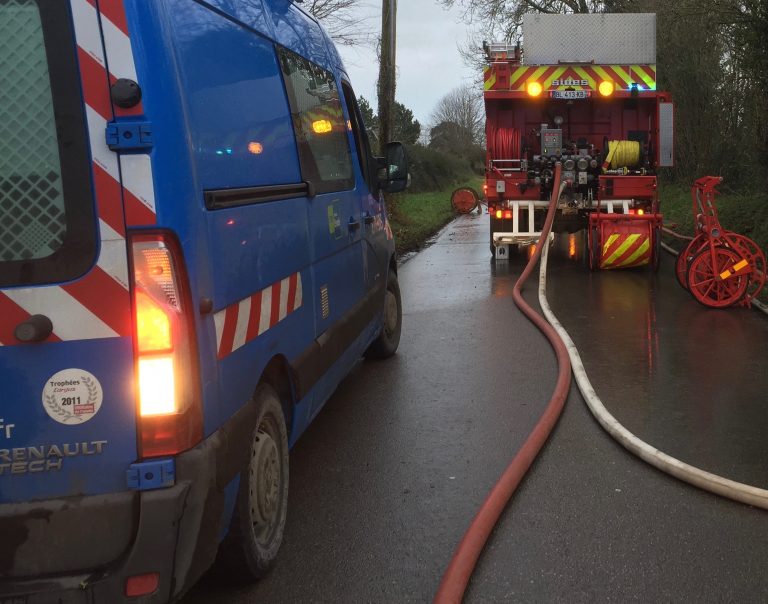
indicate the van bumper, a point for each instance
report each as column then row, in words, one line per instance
column 177, row 532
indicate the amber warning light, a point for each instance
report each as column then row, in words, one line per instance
column 606, row 88
column 322, row 126
column 534, row 88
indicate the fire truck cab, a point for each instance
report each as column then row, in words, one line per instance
column 582, row 92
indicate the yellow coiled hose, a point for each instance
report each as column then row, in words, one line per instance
column 622, row 154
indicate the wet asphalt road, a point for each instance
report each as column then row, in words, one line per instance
column 386, row 480
column 688, row 380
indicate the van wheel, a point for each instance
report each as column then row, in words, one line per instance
column 386, row 344
column 262, row 500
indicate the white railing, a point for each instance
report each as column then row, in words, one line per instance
column 530, row 234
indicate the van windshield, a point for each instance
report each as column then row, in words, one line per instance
column 47, row 222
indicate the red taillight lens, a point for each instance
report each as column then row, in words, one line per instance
column 141, row 585
column 508, row 214
column 169, row 411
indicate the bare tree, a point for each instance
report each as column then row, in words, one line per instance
column 501, row 19
column 463, row 106
column 343, row 20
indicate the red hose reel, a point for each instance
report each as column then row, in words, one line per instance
column 504, row 143
column 720, row 268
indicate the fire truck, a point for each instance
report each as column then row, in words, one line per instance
column 581, row 91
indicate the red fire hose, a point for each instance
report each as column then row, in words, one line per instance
column 459, row 571
column 504, row 143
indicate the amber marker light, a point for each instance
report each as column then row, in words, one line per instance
column 153, row 326
column 322, row 126
column 605, row 88
column 534, row 89
column 255, row 147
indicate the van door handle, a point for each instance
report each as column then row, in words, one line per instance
column 353, row 225
column 369, row 218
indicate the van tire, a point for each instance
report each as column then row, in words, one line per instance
column 385, row 345
column 258, row 522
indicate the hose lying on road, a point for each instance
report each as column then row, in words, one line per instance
column 459, row 571
column 679, row 469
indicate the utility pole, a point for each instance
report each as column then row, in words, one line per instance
column 386, row 87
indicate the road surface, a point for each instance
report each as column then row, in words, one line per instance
column 386, row 480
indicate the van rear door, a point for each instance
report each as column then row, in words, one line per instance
column 67, row 403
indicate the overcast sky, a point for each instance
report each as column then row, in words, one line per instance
column 428, row 61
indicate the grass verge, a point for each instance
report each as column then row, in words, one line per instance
column 415, row 217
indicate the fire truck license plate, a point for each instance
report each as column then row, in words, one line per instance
column 570, row 94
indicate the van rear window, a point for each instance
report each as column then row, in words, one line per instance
column 47, row 222
column 319, row 124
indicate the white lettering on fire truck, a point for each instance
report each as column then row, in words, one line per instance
column 45, row 458
column 570, row 82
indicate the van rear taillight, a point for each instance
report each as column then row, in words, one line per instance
column 169, row 408
column 153, row 325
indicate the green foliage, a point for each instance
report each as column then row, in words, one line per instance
column 433, row 170
column 421, row 215
column 450, row 137
column 370, row 119
column 406, row 128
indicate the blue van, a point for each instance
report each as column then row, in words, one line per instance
column 194, row 251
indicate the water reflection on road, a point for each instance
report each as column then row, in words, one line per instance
column 690, row 380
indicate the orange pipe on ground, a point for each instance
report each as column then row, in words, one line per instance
column 457, row 575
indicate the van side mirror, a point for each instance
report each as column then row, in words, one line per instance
column 393, row 169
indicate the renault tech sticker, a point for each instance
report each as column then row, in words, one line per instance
column 72, row 396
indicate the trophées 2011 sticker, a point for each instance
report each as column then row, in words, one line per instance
column 72, row 396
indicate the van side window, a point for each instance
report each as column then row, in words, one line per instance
column 318, row 121
column 47, row 223
column 361, row 136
